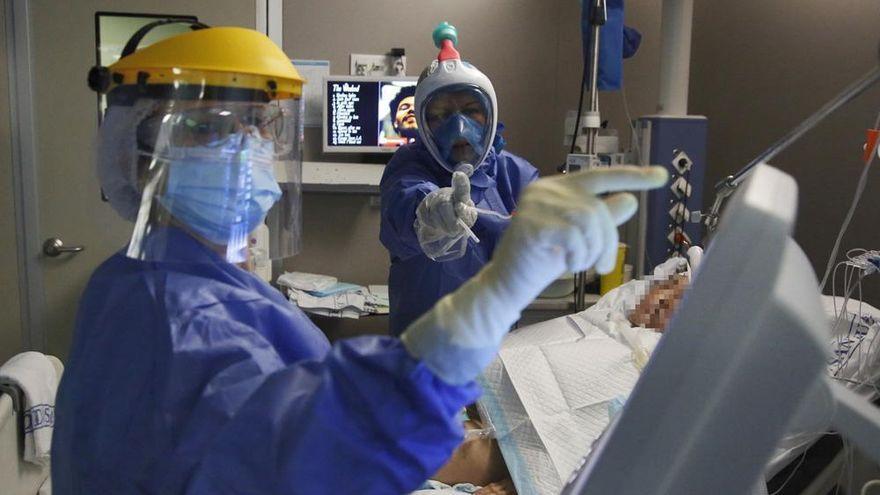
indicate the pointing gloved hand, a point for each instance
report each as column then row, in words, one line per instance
column 444, row 217
column 441, row 209
column 561, row 225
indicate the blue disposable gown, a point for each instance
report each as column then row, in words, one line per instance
column 199, row 378
column 415, row 281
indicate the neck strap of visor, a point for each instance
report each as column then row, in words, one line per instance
column 99, row 75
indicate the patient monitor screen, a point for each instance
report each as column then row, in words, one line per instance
column 368, row 114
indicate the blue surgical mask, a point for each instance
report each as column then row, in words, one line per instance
column 458, row 126
column 224, row 191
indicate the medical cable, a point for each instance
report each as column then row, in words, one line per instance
column 467, row 230
column 834, row 285
column 480, row 211
column 864, row 261
column 869, row 485
column 634, row 143
column 838, row 319
column 452, row 241
column 850, row 353
column 831, row 405
column 803, row 457
column 866, row 377
column 483, row 211
column 843, row 313
column 849, row 461
column 844, row 453
column 860, row 188
column 870, row 381
column 793, row 472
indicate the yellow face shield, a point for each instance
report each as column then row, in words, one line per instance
column 202, row 140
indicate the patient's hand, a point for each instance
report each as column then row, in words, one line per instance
column 478, row 462
column 660, row 303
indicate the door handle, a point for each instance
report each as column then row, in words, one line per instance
column 53, row 247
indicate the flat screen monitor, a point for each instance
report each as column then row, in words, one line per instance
column 358, row 113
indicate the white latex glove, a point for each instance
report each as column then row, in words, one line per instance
column 441, row 209
column 444, row 219
column 561, row 225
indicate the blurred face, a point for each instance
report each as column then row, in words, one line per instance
column 405, row 118
column 659, row 304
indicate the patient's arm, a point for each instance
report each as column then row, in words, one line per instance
column 477, row 461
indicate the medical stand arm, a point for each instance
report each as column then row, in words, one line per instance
column 727, row 186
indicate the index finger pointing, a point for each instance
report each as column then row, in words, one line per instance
column 461, row 187
column 621, row 178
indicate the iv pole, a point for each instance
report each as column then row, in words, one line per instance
column 597, row 19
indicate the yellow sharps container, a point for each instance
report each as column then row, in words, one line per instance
column 614, row 279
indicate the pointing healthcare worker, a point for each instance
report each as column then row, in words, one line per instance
column 190, row 375
column 436, row 238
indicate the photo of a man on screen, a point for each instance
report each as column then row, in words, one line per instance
column 398, row 126
column 404, row 112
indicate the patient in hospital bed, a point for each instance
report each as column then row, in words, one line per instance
column 556, row 385
column 595, row 357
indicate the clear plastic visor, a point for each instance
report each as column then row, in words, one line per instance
column 225, row 174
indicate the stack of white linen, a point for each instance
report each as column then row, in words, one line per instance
column 326, row 296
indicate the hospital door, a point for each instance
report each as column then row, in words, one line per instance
column 65, row 206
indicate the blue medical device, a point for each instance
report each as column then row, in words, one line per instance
column 679, row 144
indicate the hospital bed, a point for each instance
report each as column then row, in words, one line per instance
column 16, row 476
column 734, row 389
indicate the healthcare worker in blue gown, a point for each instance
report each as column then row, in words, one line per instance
column 190, row 375
column 436, row 238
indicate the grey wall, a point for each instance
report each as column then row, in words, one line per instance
column 10, row 318
column 492, row 35
column 761, row 66
column 531, row 51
